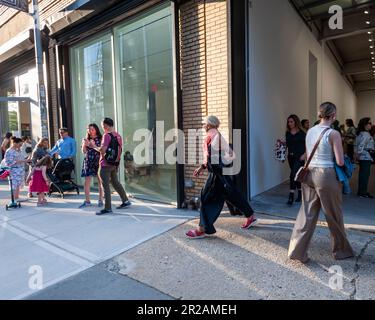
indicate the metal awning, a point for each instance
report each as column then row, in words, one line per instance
column 18, row 44
column 353, row 46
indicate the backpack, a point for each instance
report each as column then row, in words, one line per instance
column 113, row 152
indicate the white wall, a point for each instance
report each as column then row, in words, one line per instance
column 279, row 47
column 366, row 105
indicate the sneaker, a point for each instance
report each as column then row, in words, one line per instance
column 100, row 204
column 250, row 222
column 104, row 211
column 124, row 205
column 85, row 204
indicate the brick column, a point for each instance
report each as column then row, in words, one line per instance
column 204, row 70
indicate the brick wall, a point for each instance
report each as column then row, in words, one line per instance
column 204, row 70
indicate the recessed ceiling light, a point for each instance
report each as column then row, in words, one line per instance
column 368, row 22
column 369, row 32
column 366, row 12
column 371, row 47
column 370, row 40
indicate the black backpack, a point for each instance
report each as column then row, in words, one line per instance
column 113, row 153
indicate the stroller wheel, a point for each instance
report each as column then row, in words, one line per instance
column 19, row 204
column 77, row 191
column 6, row 207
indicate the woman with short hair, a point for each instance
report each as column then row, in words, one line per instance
column 321, row 190
column 219, row 188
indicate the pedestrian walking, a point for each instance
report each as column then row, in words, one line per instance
column 321, row 190
column 365, row 154
column 110, row 156
column 295, row 142
column 38, row 180
column 14, row 159
column 90, row 167
column 219, row 187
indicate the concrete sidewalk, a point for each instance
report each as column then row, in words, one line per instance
column 62, row 240
column 142, row 253
column 359, row 214
column 249, row 264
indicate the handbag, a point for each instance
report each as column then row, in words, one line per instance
column 303, row 171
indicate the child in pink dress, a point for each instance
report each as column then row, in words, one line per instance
column 38, row 180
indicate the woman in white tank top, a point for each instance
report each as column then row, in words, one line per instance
column 321, row 190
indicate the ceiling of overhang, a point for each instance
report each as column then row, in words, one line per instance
column 351, row 45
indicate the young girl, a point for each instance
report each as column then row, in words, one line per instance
column 38, row 180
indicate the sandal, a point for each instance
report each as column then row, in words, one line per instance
column 195, row 234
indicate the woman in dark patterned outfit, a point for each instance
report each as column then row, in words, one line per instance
column 90, row 165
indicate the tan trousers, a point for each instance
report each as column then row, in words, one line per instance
column 321, row 190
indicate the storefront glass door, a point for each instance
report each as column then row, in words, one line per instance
column 144, row 62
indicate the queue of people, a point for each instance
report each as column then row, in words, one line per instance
column 358, row 145
column 98, row 150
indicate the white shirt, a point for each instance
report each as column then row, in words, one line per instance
column 324, row 156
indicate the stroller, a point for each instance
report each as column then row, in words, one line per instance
column 5, row 173
column 60, row 176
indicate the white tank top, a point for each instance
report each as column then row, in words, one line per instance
column 323, row 157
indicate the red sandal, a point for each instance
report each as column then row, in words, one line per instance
column 195, row 234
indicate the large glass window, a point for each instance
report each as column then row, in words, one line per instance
column 92, row 87
column 145, row 91
column 144, row 94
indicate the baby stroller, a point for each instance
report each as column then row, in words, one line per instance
column 60, row 176
column 5, row 173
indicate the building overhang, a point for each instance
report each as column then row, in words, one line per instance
column 19, row 44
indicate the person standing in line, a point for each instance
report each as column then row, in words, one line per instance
column 349, row 138
column 38, row 180
column 364, row 149
column 16, row 162
column 295, row 141
column 5, row 144
column 65, row 148
column 219, row 188
column 40, row 151
column 108, row 170
column 321, row 190
column 90, row 167
column 305, row 125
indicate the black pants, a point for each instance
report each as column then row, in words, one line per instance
column 295, row 164
column 350, row 151
column 217, row 190
column 364, row 176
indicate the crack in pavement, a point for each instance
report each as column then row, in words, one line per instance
column 357, row 268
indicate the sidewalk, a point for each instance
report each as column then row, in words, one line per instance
column 142, row 253
column 64, row 240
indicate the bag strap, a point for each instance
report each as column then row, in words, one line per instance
column 315, row 147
